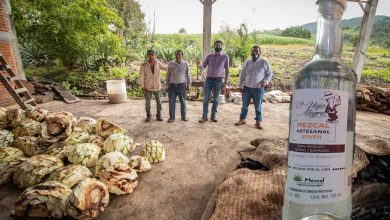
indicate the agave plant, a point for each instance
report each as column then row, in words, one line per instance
column 6, row 138
column 89, row 198
column 3, row 118
column 14, row 117
column 27, row 127
column 87, row 124
column 118, row 142
column 7, row 153
column 7, row 168
column 30, row 146
column 58, row 150
column 105, row 128
column 84, row 154
column 57, row 126
column 70, row 175
column 140, row 164
column 119, row 178
column 34, row 170
column 37, row 114
column 77, row 136
column 43, row 200
column 95, row 139
column 110, row 159
column 167, row 54
column 154, row 151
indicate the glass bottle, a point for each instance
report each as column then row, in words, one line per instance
column 322, row 128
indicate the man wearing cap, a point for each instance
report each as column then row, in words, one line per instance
column 178, row 80
column 256, row 73
column 149, row 80
column 217, row 64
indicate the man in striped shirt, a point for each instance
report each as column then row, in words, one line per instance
column 256, row 73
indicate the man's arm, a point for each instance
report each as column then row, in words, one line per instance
column 188, row 77
column 168, row 76
column 226, row 69
column 268, row 73
column 242, row 76
column 205, row 63
column 141, row 77
column 162, row 67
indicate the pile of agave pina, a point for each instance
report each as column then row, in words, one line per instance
column 68, row 165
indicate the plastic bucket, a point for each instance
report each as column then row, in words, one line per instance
column 116, row 90
column 222, row 99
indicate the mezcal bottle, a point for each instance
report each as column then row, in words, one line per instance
column 322, row 128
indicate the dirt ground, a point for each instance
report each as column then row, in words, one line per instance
column 199, row 156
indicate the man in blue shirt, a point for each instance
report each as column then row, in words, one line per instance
column 256, row 73
column 217, row 64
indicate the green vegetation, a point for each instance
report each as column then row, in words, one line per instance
column 82, row 43
column 296, row 31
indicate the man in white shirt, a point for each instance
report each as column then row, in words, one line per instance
column 256, row 73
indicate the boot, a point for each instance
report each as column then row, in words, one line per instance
column 240, row 122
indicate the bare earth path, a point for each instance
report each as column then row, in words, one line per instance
column 199, row 156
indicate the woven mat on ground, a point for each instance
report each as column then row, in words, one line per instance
column 272, row 153
column 248, row 194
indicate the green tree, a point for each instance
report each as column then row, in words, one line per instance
column 134, row 31
column 75, row 31
column 296, row 31
column 182, row 31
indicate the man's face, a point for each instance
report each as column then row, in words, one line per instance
column 151, row 57
column 179, row 56
column 256, row 51
column 218, row 45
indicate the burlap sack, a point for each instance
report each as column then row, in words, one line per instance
column 248, row 194
column 272, row 153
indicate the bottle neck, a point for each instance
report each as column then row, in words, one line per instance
column 329, row 41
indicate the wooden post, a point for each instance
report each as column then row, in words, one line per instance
column 364, row 38
column 207, row 12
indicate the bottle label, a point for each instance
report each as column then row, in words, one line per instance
column 317, row 144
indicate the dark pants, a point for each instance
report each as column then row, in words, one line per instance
column 148, row 97
column 257, row 95
column 211, row 84
column 174, row 91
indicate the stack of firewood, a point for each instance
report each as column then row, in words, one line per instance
column 373, row 99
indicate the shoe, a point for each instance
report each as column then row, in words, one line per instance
column 214, row 120
column 147, row 119
column 258, row 125
column 240, row 122
column 171, row 120
column 203, row 120
column 159, row 118
column 184, row 118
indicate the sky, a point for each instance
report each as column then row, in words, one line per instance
column 171, row 15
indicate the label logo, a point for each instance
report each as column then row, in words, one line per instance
column 303, row 181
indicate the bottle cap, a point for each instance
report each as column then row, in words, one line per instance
column 341, row 2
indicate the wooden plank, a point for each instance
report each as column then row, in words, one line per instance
column 11, row 91
column 364, row 38
column 20, row 90
column 66, row 95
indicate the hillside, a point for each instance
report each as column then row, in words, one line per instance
column 346, row 23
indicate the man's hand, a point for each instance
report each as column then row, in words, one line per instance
column 143, row 90
column 264, row 84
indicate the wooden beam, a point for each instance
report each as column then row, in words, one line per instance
column 364, row 38
column 207, row 12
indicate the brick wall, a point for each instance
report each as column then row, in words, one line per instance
column 7, row 49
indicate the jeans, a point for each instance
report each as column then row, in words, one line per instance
column 257, row 95
column 215, row 85
column 174, row 91
column 148, row 97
